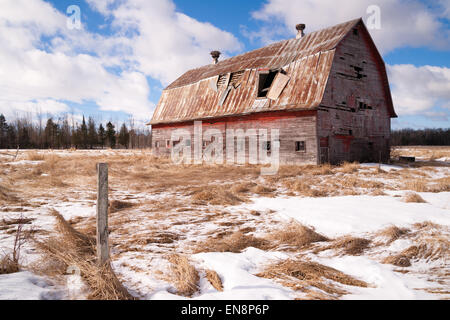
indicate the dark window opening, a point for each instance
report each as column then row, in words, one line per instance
column 300, row 146
column 265, row 82
column 175, row 143
column 355, row 32
column 350, row 132
column 167, row 143
column 268, row 146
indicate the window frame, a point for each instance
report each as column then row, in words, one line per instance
column 298, row 144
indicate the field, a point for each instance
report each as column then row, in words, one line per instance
column 355, row 231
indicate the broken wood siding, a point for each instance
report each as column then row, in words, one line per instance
column 292, row 126
column 355, row 116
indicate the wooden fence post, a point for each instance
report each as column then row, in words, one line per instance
column 102, row 214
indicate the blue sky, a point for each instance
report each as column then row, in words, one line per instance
column 127, row 51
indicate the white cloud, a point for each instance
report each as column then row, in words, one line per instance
column 403, row 23
column 417, row 90
column 151, row 39
column 166, row 43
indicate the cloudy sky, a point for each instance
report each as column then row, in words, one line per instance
column 117, row 60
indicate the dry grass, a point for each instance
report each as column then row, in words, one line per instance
column 412, row 197
column 71, row 248
column 296, row 235
column 416, row 185
column 393, row 233
column 184, row 276
column 216, row 195
column 214, row 279
column 35, row 156
column 6, row 194
column 348, row 245
column 348, row 167
column 8, row 264
column 235, row 242
column 118, row 205
column 302, row 275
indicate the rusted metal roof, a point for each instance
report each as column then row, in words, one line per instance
column 307, row 61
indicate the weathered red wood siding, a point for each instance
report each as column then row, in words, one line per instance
column 352, row 133
column 292, row 126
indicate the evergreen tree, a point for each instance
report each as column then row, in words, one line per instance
column 11, row 137
column 111, row 135
column 50, row 134
column 92, row 133
column 84, row 134
column 3, row 132
column 101, row 135
column 124, row 136
column 24, row 138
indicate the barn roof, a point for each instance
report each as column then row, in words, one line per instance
column 306, row 60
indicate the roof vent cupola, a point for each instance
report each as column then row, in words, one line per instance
column 300, row 30
column 215, row 55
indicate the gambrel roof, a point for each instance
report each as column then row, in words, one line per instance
column 230, row 87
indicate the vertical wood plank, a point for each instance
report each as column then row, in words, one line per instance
column 102, row 214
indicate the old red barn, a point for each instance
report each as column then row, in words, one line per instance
column 326, row 91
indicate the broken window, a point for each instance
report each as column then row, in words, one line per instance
column 268, row 146
column 236, row 78
column 265, row 82
column 300, row 146
column 223, row 80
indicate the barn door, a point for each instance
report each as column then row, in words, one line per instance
column 324, row 155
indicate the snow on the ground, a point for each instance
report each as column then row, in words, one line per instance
column 28, row 286
column 237, row 273
column 385, row 167
column 384, row 283
column 337, row 216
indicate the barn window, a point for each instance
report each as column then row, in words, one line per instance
column 157, row 144
column 265, row 82
column 268, row 146
column 236, row 78
column 355, row 32
column 167, row 143
column 188, row 143
column 300, row 146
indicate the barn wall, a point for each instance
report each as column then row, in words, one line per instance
column 292, row 126
column 354, row 120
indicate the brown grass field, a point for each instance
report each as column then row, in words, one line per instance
column 159, row 211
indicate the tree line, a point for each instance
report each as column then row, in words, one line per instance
column 61, row 133
column 425, row 137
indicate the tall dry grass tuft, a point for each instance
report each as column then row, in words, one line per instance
column 416, row 185
column 348, row 245
column 6, row 194
column 71, row 248
column 35, row 156
column 233, row 243
column 393, row 233
column 214, row 280
column 216, row 195
column 184, row 276
column 348, row 167
column 412, row 197
column 303, row 275
column 296, row 235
